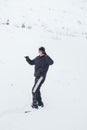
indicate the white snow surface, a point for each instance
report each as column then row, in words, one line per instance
column 61, row 27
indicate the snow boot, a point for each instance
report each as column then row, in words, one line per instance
column 40, row 104
column 34, row 105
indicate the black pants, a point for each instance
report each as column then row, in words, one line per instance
column 36, row 90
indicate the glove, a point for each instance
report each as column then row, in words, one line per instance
column 27, row 58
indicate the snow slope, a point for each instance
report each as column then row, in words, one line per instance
column 61, row 27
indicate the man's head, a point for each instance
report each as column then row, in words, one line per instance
column 42, row 51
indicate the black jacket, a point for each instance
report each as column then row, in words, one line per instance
column 41, row 64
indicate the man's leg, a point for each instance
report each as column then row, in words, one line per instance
column 39, row 99
column 34, row 100
column 36, row 92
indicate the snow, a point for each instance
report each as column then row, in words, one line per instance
column 61, row 27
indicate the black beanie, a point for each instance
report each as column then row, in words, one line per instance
column 42, row 49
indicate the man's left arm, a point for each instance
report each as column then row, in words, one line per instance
column 49, row 60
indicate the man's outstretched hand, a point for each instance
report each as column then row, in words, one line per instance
column 27, row 58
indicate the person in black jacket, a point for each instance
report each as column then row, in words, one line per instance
column 42, row 63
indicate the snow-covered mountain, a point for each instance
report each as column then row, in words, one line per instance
column 61, row 27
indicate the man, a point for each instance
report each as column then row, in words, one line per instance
column 41, row 63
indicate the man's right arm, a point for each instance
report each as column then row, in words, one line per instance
column 31, row 62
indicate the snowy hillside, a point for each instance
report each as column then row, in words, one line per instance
column 61, row 27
